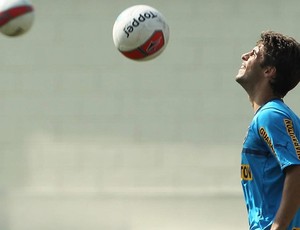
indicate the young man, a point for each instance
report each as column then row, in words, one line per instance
column 270, row 169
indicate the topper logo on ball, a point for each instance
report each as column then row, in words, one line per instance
column 136, row 22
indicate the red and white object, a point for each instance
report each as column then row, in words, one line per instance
column 16, row 17
column 140, row 33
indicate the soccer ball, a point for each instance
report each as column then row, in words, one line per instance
column 16, row 17
column 140, row 33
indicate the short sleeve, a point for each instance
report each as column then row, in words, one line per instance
column 277, row 131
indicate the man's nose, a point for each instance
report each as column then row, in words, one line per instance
column 245, row 56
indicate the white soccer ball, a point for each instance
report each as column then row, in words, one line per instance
column 140, row 33
column 16, row 17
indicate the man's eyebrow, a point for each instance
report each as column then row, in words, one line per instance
column 256, row 50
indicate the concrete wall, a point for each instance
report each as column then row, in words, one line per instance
column 91, row 140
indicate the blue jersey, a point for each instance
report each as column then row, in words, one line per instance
column 270, row 146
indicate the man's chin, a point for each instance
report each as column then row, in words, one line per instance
column 238, row 78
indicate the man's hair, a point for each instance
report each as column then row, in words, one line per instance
column 283, row 53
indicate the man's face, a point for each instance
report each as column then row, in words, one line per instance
column 250, row 72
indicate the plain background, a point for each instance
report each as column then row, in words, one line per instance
column 91, row 140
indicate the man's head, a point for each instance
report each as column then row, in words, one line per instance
column 283, row 53
column 276, row 56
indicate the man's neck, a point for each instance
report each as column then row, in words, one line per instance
column 260, row 101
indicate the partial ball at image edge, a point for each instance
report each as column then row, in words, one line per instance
column 16, row 17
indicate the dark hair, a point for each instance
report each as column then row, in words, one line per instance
column 283, row 53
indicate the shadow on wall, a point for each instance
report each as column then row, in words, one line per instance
column 4, row 219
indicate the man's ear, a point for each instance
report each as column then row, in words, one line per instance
column 270, row 72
